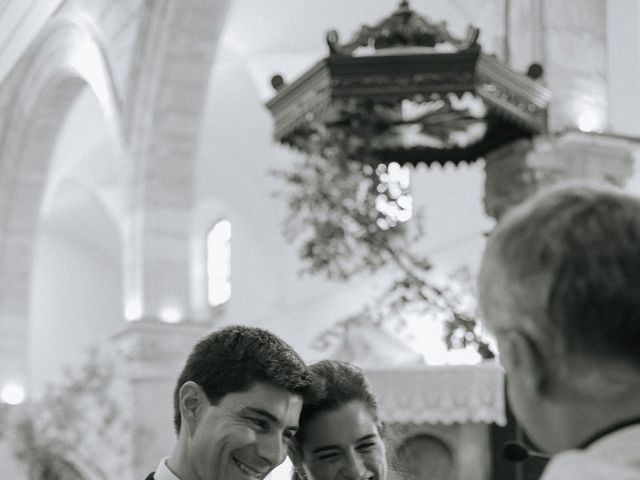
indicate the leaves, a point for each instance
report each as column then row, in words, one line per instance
column 332, row 209
column 348, row 216
column 78, row 425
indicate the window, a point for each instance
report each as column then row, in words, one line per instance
column 219, row 263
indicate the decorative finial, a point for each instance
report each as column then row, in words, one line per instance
column 404, row 4
column 535, row 71
column 277, row 82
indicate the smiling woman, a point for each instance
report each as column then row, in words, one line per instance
column 340, row 434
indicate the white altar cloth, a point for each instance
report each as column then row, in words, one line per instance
column 444, row 394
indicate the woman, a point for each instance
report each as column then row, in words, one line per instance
column 340, row 433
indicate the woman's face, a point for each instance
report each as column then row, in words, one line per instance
column 344, row 444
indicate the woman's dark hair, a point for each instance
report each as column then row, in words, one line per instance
column 335, row 384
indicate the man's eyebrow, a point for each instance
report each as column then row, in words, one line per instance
column 325, row 448
column 269, row 416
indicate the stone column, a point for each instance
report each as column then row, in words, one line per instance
column 164, row 106
column 518, row 170
column 164, row 109
column 569, row 39
column 623, row 65
column 154, row 354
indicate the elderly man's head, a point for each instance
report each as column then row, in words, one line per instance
column 560, row 288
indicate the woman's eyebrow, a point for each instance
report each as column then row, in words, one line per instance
column 370, row 436
column 325, row 448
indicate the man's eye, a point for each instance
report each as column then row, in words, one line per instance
column 261, row 424
column 288, row 436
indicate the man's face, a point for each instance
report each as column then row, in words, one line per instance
column 245, row 435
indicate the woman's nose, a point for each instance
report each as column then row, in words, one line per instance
column 354, row 468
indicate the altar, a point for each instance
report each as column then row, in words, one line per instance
column 438, row 418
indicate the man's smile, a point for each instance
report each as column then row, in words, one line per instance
column 250, row 471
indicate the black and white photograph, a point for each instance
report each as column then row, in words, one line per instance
column 319, row 239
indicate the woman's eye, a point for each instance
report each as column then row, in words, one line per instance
column 365, row 447
column 328, row 457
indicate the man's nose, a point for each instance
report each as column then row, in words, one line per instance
column 354, row 468
column 272, row 449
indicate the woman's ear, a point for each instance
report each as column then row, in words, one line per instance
column 190, row 398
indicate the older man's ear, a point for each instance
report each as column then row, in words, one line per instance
column 520, row 356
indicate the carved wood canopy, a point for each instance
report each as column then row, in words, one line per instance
column 406, row 90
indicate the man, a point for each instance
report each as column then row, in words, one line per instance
column 236, row 407
column 560, row 289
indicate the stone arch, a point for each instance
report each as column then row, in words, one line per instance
column 155, row 108
column 75, row 292
column 65, row 58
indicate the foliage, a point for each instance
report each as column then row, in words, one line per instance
column 452, row 303
column 77, row 429
column 331, row 211
column 345, row 212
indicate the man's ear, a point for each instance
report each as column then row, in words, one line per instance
column 521, row 357
column 191, row 398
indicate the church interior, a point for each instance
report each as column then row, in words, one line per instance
column 143, row 204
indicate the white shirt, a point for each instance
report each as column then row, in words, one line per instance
column 614, row 456
column 163, row 472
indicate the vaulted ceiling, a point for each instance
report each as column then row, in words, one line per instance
column 20, row 22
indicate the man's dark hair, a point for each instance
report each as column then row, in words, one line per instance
column 234, row 358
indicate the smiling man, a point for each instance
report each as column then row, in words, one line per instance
column 236, row 407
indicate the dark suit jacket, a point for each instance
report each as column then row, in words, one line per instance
column 150, row 477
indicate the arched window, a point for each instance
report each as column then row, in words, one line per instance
column 219, row 263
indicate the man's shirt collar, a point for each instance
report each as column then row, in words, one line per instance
column 163, row 472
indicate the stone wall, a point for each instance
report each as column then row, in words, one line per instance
column 147, row 63
column 520, row 169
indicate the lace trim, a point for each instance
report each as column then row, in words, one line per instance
column 441, row 394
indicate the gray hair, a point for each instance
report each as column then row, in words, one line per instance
column 570, row 261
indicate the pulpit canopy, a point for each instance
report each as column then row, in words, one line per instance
column 407, row 90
